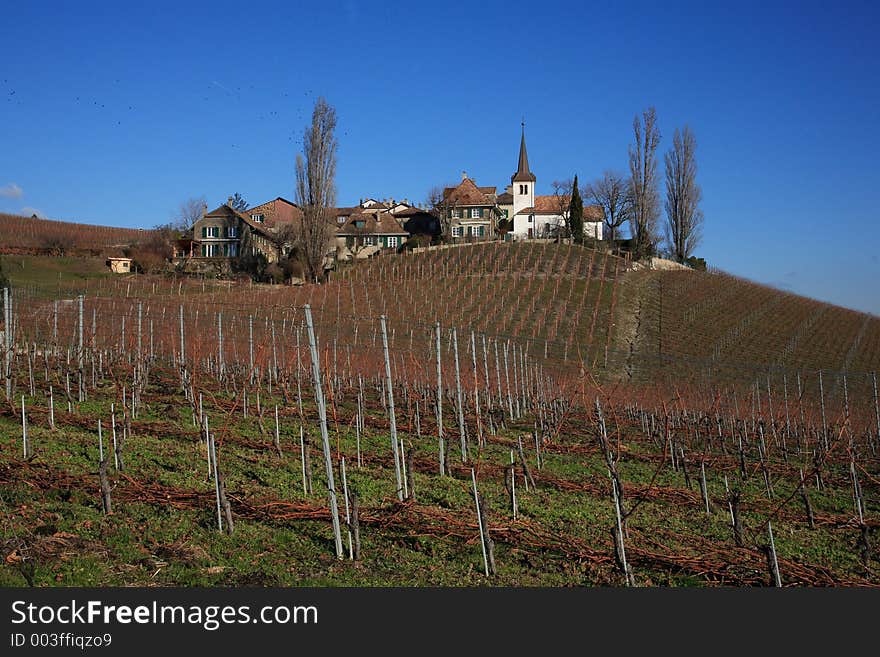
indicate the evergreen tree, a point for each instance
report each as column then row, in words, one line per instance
column 576, row 214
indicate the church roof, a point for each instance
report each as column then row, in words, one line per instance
column 550, row 204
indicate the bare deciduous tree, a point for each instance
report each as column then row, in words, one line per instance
column 643, row 182
column 189, row 212
column 316, row 187
column 238, row 203
column 440, row 206
column 684, row 219
column 612, row 194
column 562, row 202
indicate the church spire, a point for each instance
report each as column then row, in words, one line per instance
column 522, row 171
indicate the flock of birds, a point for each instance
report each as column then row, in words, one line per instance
column 272, row 114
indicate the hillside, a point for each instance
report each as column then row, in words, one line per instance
column 32, row 236
column 170, row 380
column 688, row 324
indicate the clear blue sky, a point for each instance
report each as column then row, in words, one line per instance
column 114, row 114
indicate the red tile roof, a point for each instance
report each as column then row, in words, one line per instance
column 277, row 211
column 467, row 193
column 550, row 204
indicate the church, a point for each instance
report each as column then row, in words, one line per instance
column 472, row 212
column 540, row 216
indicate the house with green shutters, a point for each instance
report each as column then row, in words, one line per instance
column 226, row 233
column 368, row 231
column 469, row 212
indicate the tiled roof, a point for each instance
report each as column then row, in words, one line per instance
column 505, row 199
column 467, row 193
column 410, row 212
column 225, row 211
column 551, row 205
column 382, row 223
column 275, row 212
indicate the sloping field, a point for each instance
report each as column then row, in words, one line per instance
column 723, row 330
column 48, row 276
column 27, row 235
column 123, row 407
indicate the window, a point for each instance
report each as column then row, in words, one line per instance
column 521, row 187
column 341, row 220
column 392, row 242
column 233, row 250
column 368, row 240
column 211, row 231
column 359, row 223
column 456, row 231
column 125, row 265
column 531, row 218
column 231, row 231
column 476, row 213
column 210, row 250
column 525, row 189
column 504, row 213
column 456, row 213
column 258, row 218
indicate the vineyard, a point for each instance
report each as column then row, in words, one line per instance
column 486, row 415
column 33, row 236
column 687, row 324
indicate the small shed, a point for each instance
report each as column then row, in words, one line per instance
column 119, row 265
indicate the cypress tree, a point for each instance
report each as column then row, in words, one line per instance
column 576, row 214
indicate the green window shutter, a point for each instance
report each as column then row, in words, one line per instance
column 204, row 232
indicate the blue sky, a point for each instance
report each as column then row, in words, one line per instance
column 114, row 114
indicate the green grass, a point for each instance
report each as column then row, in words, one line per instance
column 46, row 275
column 148, row 542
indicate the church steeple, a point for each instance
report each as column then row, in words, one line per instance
column 522, row 171
column 523, row 181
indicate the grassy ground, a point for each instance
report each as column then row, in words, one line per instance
column 46, row 275
column 163, row 527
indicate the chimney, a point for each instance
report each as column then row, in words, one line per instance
column 464, row 175
column 204, row 209
column 229, row 201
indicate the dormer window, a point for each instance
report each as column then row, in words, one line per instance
column 258, row 218
column 359, row 223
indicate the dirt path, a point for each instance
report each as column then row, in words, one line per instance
column 635, row 287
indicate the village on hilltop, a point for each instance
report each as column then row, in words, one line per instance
column 464, row 213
